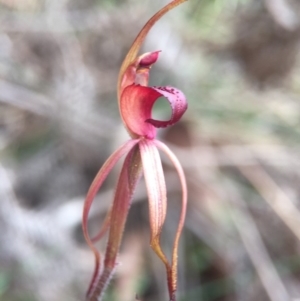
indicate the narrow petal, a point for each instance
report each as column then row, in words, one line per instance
column 104, row 227
column 137, row 103
column 128, row 179
column 182, row 179
column 95, row 186
column 134, row 49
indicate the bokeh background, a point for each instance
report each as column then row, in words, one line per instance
column 237, row 61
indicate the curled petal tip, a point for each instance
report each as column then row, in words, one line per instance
column 178, row 104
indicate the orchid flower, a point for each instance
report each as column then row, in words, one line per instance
column 136, row 100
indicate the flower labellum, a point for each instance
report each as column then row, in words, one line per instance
column 136, row 100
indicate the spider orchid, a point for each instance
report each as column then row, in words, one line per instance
column 136, row 100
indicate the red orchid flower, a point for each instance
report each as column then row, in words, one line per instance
column 136, row 100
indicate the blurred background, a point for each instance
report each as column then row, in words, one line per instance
column 237, row 62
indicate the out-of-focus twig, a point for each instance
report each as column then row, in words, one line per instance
column 274, row 196
column 25, row 99
column 90, row 20
column 26, row 235
column 19, row 4
column 256, row 249
column 270, row 191
column 283, row 14
column 244, row 155
column 131, row 267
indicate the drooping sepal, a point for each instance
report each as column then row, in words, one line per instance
column 155, row 182
column 156, row 187
column 128, row 179
column 172, row 272
column 93, row 190
column 157, row 198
